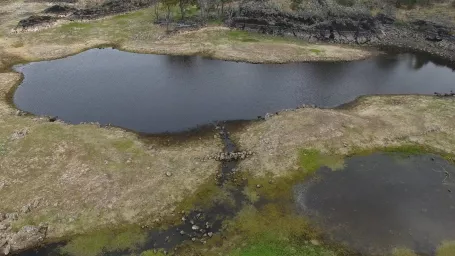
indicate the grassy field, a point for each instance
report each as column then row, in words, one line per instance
column 82, row 178
column 136, row 32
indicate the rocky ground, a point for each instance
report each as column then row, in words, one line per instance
column 346, row 25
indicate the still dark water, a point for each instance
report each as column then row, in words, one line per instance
column 154, row 93
column 382, row 201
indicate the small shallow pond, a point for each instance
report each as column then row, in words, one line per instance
column 154, row 93
column 384, row 201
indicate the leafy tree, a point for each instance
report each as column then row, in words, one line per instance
column 168, row 4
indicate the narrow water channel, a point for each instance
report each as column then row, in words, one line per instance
column 155, row 94
column 197, row 226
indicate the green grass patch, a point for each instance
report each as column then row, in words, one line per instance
column 75, row 26
column 130, row 15
column 105, row 241
column 316, row 51
column 274, row 248
column 275, row 229
column 249, row 40
column 403, row 252
column 204, row 196
column 311, row 160
column 243, row 36
column 123, row 144
column 152, row 253
column 406, row 150
column 446, row 249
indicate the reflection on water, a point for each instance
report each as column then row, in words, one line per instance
column 383, row 201
column 154, row 94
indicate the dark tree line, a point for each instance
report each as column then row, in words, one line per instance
column 204, row 6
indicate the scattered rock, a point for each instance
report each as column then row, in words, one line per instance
column 53, row 119
column 3, row 226
column 195, row 227
column 168, row 174
column 450, row 94
column 315, row 242
column 34, row 21
column 28, row 236
column 59, row 10
column 12, row 216
column 209, row 234
column 26, row 208
column 232, row 156
column 19, row 134
column 5, row 249
column 20, row 113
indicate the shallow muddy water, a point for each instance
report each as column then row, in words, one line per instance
column 383, row 201
column 155, row 94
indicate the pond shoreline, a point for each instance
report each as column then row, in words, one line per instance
column 365, row 123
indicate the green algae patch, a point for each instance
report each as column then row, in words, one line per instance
column 311, row 160
column 273, row 248
column 270, row 220
column 403, row 252
column 446, row 249
column 105, row 241
column 274, row 229
column 406, row 150
column 152, row 253
column 269, row 187
column 205, row 196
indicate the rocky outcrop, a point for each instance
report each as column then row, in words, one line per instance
column 63, row 12
column 348, row 27
column 60, row 10
column 35, row 22
column 28, row 236
column 110, row 8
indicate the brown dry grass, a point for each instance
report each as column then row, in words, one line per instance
column 86, row 177
column 374, row 122
column 136, row 32
column 438, row 12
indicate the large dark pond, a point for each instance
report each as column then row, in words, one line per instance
column 383, row 201
column 154, row 94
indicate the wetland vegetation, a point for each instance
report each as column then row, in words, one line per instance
column 91, row 190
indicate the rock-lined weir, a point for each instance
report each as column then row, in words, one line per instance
column 197, row 226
